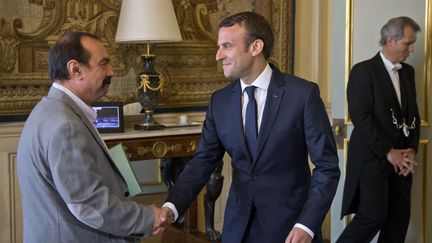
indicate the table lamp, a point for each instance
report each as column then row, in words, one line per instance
column 148, row 21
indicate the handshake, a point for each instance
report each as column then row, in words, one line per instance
column 163, row 217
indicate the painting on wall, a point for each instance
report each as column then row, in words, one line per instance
column 29, row 27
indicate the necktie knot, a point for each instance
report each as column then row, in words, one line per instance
column 250, row 90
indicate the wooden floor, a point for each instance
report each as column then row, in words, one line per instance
column 152, row 240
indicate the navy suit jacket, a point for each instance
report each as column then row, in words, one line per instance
column 278, row 183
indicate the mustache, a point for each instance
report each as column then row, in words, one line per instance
column 106, row 81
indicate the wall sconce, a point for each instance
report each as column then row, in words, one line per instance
column 148, row 21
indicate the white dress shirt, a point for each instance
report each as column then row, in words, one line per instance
column 392, row 70
column 261, row 84
column 88, row 111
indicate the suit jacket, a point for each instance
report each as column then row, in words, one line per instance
column 71, row 190
column 278, row 183
column 371, row 95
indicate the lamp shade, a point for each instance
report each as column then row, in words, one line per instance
column 143, row 21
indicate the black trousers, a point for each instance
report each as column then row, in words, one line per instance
column 384, row 206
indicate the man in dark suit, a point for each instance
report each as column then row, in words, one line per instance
column 382, row 106
column 269, row 134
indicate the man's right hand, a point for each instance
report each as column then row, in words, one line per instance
column 166, row 216
column 158, row 226
column 402, row 161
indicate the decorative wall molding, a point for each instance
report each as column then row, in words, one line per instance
column 11, row 209
column 15, row 202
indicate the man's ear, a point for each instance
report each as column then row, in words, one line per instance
column 257, row 47
column 74, row 69
column 390, row 41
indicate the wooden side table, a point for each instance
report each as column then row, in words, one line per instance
column 168, row 143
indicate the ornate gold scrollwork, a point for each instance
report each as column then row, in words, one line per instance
column 192, row 146
column 175, row 148
column 160, row 149
column 186, row 64
column 129, row 155
column 143, row 150
column 145, row 82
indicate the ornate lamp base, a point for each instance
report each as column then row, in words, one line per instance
column 149, row 127
column 150, row 85
column 149, row 123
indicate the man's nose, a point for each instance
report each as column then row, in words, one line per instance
column 110, row 71
column 219, row 55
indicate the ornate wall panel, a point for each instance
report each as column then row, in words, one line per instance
column 29, row 27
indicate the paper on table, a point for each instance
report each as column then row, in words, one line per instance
column 121, row 161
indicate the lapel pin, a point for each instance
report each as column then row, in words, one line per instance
column 275, row 96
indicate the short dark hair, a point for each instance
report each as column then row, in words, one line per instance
column 394, row 28
column 67, row 47
column 257, row 27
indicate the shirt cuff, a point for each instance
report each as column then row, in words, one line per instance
column 305, row 229
column 173, row 208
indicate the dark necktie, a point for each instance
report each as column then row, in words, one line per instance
column 251, row 128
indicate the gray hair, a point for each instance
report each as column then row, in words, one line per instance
column 394, row 28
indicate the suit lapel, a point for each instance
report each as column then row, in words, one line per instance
column 387, row 85
column 271, row 108
column 97, row 137
column 57, row 94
